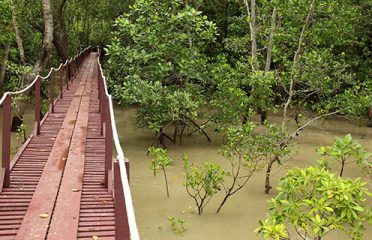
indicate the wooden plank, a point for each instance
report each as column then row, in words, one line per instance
column 66, row 212
column 37, row 218
column 97, row 205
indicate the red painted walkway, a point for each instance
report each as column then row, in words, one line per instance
column 56, row 186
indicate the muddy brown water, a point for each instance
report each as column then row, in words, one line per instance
column 239, row 217
column 16, row 141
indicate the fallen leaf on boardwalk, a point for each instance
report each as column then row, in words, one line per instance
column 44, row 215
column 75, row 190
column 95, row 237
column 36, row 235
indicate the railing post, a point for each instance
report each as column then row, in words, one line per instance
column 103, row 111
column 121, row 220
column 61, row 82
column 108, row 143
column 66, row 76
column 72, row 74
column 7, row 105
column 51, row 91
column 37, row 105
column 99, row 83
column 127, row 168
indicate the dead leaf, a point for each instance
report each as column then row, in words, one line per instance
column 95, row 237
column 44, row 215
column 75, row 190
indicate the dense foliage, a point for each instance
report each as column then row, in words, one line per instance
column 315, row 202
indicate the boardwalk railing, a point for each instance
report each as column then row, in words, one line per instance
column 125, row 222
column 67, row 72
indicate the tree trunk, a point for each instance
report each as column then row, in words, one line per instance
column 4, row 60
column 224, row 200
column 17, row 35
column 369, row 124
column 268, row 187
column 60, row 39
column 166, row 181
column 253, row 30
column 48, row 37
column 41, row 63
column 342, row 168
column 271, row 41
column 263, row 114
column 296, row 61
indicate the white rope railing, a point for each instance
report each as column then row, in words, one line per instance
column 38, row 76
column 133, row 229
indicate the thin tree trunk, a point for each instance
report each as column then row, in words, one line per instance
column 4, row 60
column 224, row 200
column 342, row 168
column 17, row 35
column 296, row 61
column 270, row 164
column 253, row 30
column 271, row 41
column 166, row 181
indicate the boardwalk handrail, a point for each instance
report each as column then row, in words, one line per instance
column 121, row 186
column 41, row 77
column 67, row 71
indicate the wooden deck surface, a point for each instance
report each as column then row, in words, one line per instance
column 56, row 189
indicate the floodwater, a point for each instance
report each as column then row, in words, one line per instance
column 16, row 139
column 239, row 217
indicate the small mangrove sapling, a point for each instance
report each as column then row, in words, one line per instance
column 177, row 225
column 247, row 154
column 202, row 183
column 345, row 151
column 159, row 162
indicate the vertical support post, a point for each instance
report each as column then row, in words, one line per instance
column 66, row 70
column 99, row 83
column 61, row 82
column 121, row 220
column 7, row 108
column 103, row 110
column 108, row 143
column 51, row 91
column 72, row 74
column 37, row 105
column 127, row 164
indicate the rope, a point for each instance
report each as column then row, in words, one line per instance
column 43, row 78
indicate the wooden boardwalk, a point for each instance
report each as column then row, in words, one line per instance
column 57, row 184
